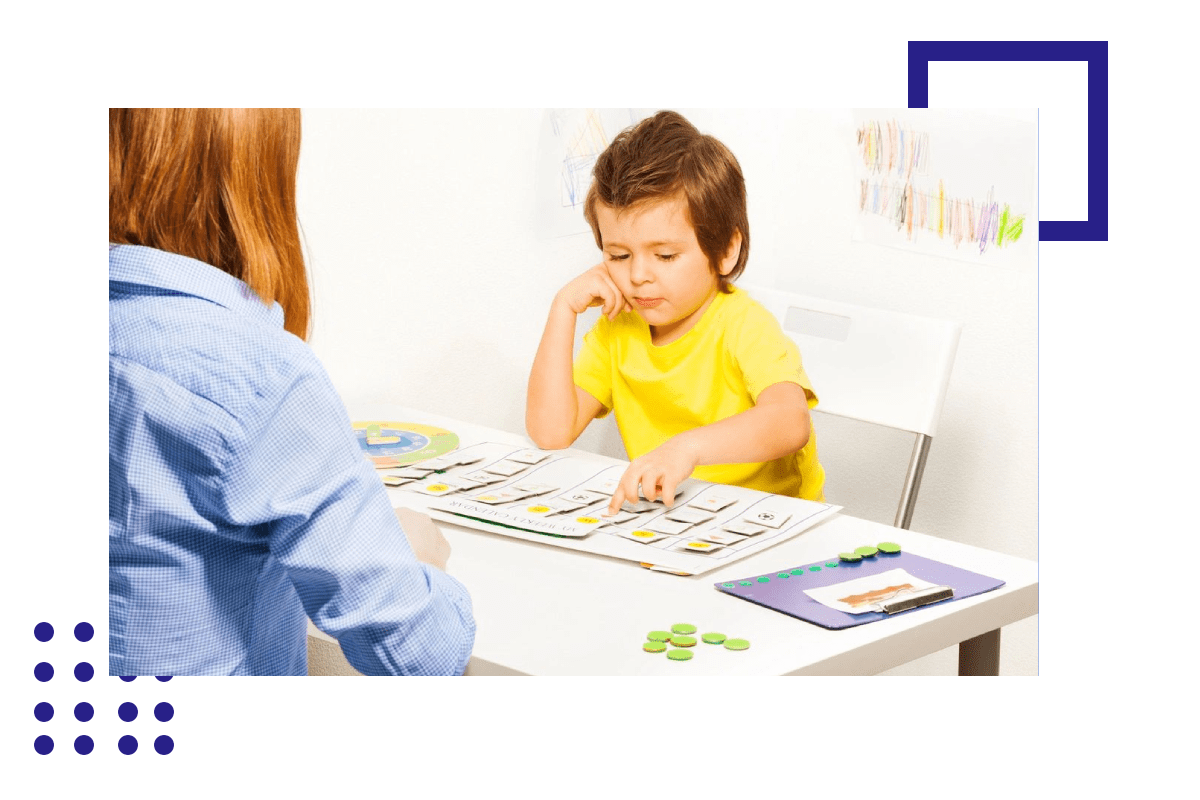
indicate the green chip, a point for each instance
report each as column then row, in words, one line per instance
column 727, row 585
column 659, row 636
column 798, row 571
column 713, row 638
column 737, row 644
column 889, row 547
column 654, row 647
column 680, row 655
column 764, row 579
column 683, row 627
column 814, row 568
column 866, row 551
column 785, row 575
column 683, row 641
column 851, row 557
column 831, row 565
column 744, row 583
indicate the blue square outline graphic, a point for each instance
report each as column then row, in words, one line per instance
column 1095, row 227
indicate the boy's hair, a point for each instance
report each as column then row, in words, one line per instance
column 217, row 185
column 665, row 155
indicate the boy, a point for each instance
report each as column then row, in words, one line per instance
column 701, row 378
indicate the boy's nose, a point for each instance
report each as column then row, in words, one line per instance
column 640, row 270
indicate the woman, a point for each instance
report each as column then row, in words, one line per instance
column 239, row 500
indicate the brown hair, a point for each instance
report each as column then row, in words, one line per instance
column 217, row 185
column 665, row 155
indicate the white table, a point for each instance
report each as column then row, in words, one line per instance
column 545, row 610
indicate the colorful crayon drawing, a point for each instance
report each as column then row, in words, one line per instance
column 571, row 141
column 898, row 186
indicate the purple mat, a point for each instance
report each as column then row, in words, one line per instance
column 786, row 594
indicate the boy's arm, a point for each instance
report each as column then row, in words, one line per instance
column 777, row 425
column 556, row 410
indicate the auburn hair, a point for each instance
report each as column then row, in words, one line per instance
column 664, row 156
column 217, row 185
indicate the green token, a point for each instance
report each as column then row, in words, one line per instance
column 851, row 557
column 736, row 644
column 744, row 583
column 785, row 575
column 654, row 647
column 727, row 585
column 866, row 551
column 831, row 565
column 680, row 655
column 889, row 547
column 764, row 579
column 798, row 571
column 683, row 641
column 713, row 638
column 659, row 636
column 814, row 568
column 683, row 627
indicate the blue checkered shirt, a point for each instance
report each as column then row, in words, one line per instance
column 239, row 499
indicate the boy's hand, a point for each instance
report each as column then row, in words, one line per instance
column 594, row 288
column 658, row 473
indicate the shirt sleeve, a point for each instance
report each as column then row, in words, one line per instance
column 593, row 365
column 300, row 479
column 766, row 355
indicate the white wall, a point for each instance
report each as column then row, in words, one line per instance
column 431, row 287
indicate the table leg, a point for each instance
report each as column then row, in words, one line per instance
column 980, row 655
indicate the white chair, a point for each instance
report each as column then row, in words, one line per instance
column 875, row 366
column 887, row 368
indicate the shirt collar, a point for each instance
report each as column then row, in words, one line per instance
column 128, row 263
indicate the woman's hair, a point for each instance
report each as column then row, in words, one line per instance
column 664, row 156
column 217, row 185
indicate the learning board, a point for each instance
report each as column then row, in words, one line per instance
column 393, row 444
column 558, row 498
column 784, row 590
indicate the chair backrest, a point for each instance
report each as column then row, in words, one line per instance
column 868, row 364
column 875, row 366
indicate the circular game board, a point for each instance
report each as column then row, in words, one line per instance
column 402, row 442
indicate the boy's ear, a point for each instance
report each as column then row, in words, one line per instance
column 731, row 255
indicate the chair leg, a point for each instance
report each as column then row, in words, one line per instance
column 912, row 481
column 980, row 655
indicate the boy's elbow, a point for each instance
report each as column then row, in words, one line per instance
column 544, row 437
column 799, row 431
column 546, row 440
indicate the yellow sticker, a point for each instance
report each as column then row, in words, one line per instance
column 437, row 487
column 538, row 509
column 587, row 520
column 643, row 534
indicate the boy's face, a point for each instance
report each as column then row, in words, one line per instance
column 654, row 259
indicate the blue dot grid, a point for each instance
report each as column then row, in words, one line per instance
column 1095, row 227
column 83, row 672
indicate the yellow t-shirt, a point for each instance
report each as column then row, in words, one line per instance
column 715, row 370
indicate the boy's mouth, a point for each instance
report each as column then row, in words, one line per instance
column 647, row 302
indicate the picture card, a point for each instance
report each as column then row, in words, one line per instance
column 529, row 457
column 692, row 516
column 643, row 536
column 712, row 502
column 742, row 527
column 663, row 525
column 769, row 518
column 722, row 537
column 505, row 468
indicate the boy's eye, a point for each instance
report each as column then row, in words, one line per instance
column 617, row 256
column 668, row 256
